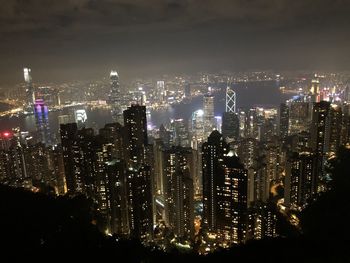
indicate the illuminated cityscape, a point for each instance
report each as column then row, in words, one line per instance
column 191, row 163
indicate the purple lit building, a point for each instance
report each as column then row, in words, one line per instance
column 41, row 113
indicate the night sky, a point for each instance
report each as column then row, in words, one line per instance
column 76, row 39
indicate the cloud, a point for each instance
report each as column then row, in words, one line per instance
column 26, row 16
column 80, row 33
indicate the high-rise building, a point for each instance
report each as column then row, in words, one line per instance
column 197, row 128
column 247, row 152
column 30, row 94
column 64, row 119
column 283, row 121
column 178, row 191
column 58, row 170
column 161, row 93
column 37, row 159
column 230, row 100
column 208, row 114
column 13, row 170
column 179, row 133
column 212, row 152
column 315, row 89
column 300, row 180
column 187, row 90
column 333, row 131
column 261, row 181
column 262, row 222
column 41, row 113
column 80, row 117
column 111, row 197
column 230, row 126
column 299, row 116
column 319, row 126
column 242, row 123
column 232, row 201
column 70, row 151
column 140, row 207
column 115, row 97
column 136, row 134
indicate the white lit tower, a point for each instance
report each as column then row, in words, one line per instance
column 230, row 100
column 230, row 119
column 115, row 97
column 30, row 95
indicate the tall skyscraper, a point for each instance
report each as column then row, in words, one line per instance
column 319, row 126
column 232, row 201
column 197, row 128
column 115, row 97
column 161, row 94
column 30, row 94
column 248, row 151
column 315, row 89
column 230, row 100
column 58, row 170
column 333, row 130
column 111, row 196
column 283, row 121
column 212, row 152
column 139, row 194
column 208, row 110
column 41, row 113
column 70, row 151
column 136, row 134
column 178, row 191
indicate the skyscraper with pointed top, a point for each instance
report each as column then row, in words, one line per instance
column 30, row 95
column 115, row 97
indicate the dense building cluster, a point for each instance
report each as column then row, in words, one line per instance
column 191, row 180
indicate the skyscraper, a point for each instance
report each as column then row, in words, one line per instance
column 139, row 194
column 178, row 191
column 208, row 110
column 319, row 126
column 212, row 152
column 70, row 153
column 179, row 131
column 300, row 180
column 299, row 116
column 333, row 131
column 115, row 97
column 283, row 121
column 230, row 125
column 136, row 134
column 262, row 221
column 30, row 95
column 197, row 128
column 230, row 100
column 41, row 113
column 111, row 196
column 161, row 90
column 232, row 201
column 80, row 117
